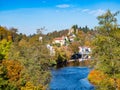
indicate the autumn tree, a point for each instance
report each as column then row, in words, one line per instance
column 10, row 75
column 74, row 47
column 81, row 37
column 4, row 48
column 13, row 33
column 107, row 46
column 3, row 33
column 34, row 57
column 62, row 54
column 8, row 34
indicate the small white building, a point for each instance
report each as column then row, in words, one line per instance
column 40, row 39
column 51, row 49
column 85, row 52
column 60, row 40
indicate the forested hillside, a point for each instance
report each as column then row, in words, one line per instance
column 25, row 61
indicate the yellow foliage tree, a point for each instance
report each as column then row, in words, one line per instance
column 30, row 86
column 98, row 78
column 14, row 71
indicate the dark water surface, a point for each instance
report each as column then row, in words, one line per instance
column 70, row 78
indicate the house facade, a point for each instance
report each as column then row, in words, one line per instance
column 59, row 40
column 85, row 53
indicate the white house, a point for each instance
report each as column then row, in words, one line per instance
column 60, row 40
column 85, row 52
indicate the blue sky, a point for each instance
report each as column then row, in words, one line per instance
column 29, row 15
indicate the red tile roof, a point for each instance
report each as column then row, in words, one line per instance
column 58, row 38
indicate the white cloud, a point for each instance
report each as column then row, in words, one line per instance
column 63, row 6
column 97, row 12
column 85, row 10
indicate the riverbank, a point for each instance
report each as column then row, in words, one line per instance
column 86, row 63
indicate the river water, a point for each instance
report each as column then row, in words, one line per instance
column 70, row 78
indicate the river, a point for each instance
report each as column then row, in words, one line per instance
column 70, row 78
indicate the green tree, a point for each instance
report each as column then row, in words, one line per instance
column 13, row 33
column 3, row 33
column 34, row 57
column 75, row 28
column 107, row 46
column 4, row 48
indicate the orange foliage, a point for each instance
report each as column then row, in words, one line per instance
column 13, row 68
column 96, row 77
column 9, row 38
column 118, row 83
column 81, row 34
column 88, row 43
column 23, row 42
